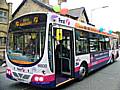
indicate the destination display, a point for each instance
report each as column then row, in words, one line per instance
column 29, row 21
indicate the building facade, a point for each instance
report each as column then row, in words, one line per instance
column 5, row 16
column 79, row 14
column 28, row 6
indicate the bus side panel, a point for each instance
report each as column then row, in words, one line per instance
column 99, row 59
column 116, row 54
column 78, row 61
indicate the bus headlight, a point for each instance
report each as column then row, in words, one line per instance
column 37, row 78
column 41, row 79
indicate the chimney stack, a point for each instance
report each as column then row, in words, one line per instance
column 10, row 11
column 44, row 1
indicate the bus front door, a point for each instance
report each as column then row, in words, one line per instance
column 64, row 52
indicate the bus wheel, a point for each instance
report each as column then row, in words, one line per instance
column 83, row 71
column 112, row 59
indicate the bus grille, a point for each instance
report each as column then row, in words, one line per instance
column 24, row 76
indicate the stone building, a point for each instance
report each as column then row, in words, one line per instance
column 28, row 6
column 5, row 16
column 79, row 14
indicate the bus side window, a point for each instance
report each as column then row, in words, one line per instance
column 81, row 42
column 80, row 49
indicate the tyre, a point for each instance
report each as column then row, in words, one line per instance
column 112, row 59
column 83, row 71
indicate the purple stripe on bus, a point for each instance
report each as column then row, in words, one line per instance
column 97, row 62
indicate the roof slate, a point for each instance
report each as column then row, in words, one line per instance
column 74, row 13
column 77, row 12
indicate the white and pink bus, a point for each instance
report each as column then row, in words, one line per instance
column 48, row 50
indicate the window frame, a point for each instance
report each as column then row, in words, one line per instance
column 3, row 16
column 81, row 39
column 50, row 48
column 96, row 46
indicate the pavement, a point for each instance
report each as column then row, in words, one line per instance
column 2, row 69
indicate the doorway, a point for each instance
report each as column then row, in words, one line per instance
column 63, row 54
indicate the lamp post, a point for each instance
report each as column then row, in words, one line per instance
column 97, row 9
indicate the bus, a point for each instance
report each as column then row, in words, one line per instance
column 48, row 49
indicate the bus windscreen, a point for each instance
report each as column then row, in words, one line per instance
column 26, row 39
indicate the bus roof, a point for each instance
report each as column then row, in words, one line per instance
column 64, row 20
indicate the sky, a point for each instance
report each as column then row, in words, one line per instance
column 107, row 18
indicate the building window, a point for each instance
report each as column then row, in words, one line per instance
column 2, row 41
column 3, row 16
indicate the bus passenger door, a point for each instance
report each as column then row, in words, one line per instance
column 64, row 51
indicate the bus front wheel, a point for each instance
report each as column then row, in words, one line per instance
column 83, row 71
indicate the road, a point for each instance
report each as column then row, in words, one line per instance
column 107, row 78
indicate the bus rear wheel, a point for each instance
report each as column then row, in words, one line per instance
column 112, row 59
